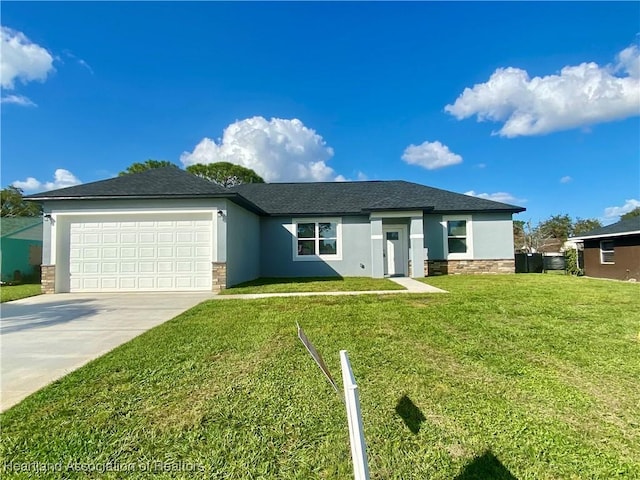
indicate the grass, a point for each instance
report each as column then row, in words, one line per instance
column 508, row 377
column 16, row 292
column 312, row 284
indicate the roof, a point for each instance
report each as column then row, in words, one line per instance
column 164, row 182
column 12, row 225
column 325, row 198
column 629, row 226
column 321, row 198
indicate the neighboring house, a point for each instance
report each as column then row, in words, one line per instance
column 166, row 229
column 20, row 247
column 612, row 251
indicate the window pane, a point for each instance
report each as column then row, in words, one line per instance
column 606, row 245
column 328, row 247
column 306, row 230
column 457, row 228
column 306, row 247
column 457, row 245
column 392, row 235
column 607, row 257
column 328, row 230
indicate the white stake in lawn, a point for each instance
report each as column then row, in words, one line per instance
column 352, row 401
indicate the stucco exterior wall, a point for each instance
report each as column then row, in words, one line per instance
column 626, row 257
column 492, row 235
column 276, row 251
column 243, row 245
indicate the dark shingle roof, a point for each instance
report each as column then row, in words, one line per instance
column 359, row 197
column 165, row 182
column 620, row 228
column 345, row 198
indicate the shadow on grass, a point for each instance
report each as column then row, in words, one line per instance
column 485, row 467
column 259, row 282
column 410, row 414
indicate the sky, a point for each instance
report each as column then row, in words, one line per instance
column 533, row 104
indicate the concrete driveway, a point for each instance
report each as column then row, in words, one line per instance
column 45, row 337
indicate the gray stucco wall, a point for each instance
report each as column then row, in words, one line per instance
column 243, row 245
column 433, row 237
column 276, row 252
column 492, row 236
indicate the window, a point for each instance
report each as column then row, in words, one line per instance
column 606, row 251
column 457, row 237
column 317, row 239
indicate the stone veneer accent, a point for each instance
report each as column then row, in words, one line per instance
column 219, row 276
column 48, row 278
column 448, row 267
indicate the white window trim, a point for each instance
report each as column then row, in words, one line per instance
column 445, row 237
column 316, row 258
column 602, row 262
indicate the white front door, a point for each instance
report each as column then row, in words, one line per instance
column 394, row 252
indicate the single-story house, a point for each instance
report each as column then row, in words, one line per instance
column 166, row 229
column 20, row 247
column 612, row 251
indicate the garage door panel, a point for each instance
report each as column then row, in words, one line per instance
column 130, row 255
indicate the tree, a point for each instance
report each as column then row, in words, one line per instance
column 633, row 213
column 13, row 205
column 139, row 167
column 581, row 226
column 556, row 226
column 225, row 174
column 519, row 235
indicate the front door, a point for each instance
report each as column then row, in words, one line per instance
column 394, row 252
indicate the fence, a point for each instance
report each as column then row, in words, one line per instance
column 539, row 263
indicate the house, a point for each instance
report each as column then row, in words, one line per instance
column 166, row 229
column 20, row 247
column 612, row 251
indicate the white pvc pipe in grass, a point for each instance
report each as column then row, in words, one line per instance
column 354, row 416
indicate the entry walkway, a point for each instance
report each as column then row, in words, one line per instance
column 411, row 285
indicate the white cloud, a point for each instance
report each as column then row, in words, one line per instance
column 430, row 155
column 276, row 149
column 18, row 100
column 503, row 197
column 61, row 178
column 22, row 59
column 566, row 179
column 611, row 212
column 579, row 96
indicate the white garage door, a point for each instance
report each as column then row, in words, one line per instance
column 164, row 252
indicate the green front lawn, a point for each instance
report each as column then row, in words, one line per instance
column 515, row 376
column 16, row 292
column 312, row 284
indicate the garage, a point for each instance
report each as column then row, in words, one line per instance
column 146, row 252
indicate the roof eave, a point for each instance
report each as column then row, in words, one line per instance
column 481, row 210
column 604, row 235
column 131, row 197
column 398, row 209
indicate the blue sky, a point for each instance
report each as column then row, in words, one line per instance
column 536, row 104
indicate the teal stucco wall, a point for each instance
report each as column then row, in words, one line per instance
column 15, row 257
